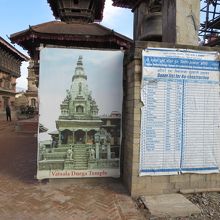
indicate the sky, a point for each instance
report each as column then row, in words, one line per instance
column 104, row 80
column 17, row 15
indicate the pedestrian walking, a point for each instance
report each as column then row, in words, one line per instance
column 8, row 113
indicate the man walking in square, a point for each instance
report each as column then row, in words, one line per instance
column 8, row 113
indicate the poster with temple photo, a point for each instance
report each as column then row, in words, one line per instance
column 80, row 109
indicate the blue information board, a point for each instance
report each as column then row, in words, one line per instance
column 180, row 121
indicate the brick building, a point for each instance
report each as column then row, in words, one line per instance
column 10, row 63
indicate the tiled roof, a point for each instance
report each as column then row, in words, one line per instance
column 58, row 27
column 73, row 33
column 125, row 3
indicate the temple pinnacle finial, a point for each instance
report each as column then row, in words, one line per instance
column 79, row 62
column 79, row 70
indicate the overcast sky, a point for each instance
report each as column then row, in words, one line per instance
column 17, row 15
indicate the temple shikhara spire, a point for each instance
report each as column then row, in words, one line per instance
column 83, row 139
column 79, row 103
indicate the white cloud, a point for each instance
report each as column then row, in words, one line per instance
column 111, row 13
column 118, row 19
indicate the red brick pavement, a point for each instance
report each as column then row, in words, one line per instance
column 23, row 198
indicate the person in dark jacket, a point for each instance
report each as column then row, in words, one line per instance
column 8, row 113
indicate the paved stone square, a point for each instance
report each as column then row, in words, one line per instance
column 24, row 198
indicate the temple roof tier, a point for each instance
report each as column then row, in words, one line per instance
column 77, row 10
column 126, row 3
column 91, row 35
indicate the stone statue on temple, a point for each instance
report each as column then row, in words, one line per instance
column 70, row 153
column 43, row 151
column 97, row 138
column 92, row 154
column 68, row 96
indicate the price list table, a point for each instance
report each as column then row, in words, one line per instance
column 180, row 122
column 161, row 125
column 200, row 126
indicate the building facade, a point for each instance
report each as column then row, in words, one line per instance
column 10, row 63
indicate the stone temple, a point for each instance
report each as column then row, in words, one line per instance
column 83, row 140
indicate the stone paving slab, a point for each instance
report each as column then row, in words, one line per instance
column 169, row 205
column 24, row 198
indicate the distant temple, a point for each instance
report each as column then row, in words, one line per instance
column 32, row 90
column 83, row 139
column 30, row 96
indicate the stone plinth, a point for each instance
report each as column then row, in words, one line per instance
column 27, row 126
column 170, row 206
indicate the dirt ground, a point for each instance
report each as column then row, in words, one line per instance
column 209, row 204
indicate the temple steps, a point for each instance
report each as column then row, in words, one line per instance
column 60, row 149
column 55, row 156
column 80, row 157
